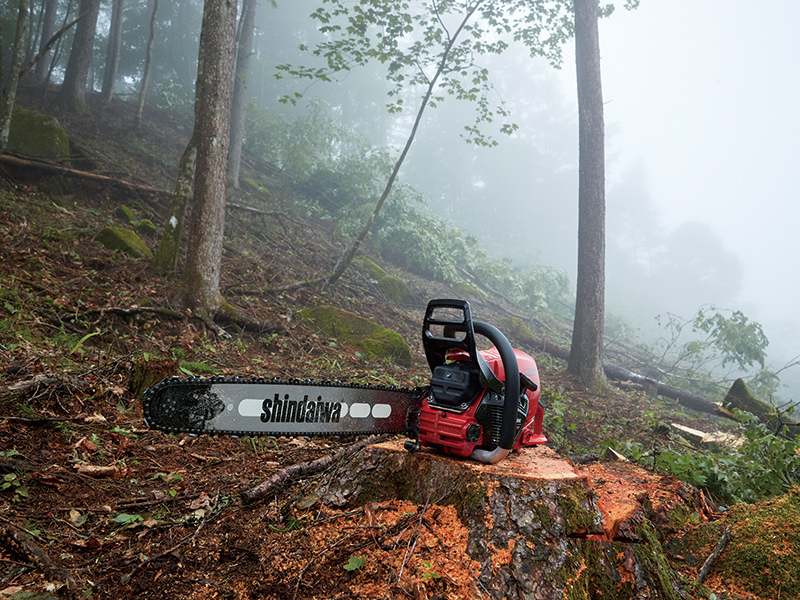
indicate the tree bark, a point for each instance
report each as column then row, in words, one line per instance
column 112, row 52
column 200, row 288
column 8, row 94
column 146, row 73
column 48, row 24
column 586, row 355
column 73, row 90
column 166, row 257
column 240, row 83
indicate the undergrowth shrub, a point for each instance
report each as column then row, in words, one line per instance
column 764, row 466
column 344, row 176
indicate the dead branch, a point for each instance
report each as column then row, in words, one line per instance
column 48, row 167
column 135, row 310
column 305, row 468
column 46, row 48
column 266, row 213
column 21, row 542
column 713, row 556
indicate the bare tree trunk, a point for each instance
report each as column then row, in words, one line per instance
column 73, row 90
column 8, row 95
column 146, row 74
column 48, row 24
column 212, row 128
column 241, row 80
column 166, row 258
column 112, row 52
column 586, row 355
column 347, row 258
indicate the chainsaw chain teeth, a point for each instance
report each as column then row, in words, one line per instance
column 168, row 413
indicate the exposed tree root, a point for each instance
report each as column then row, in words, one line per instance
column 230, row 314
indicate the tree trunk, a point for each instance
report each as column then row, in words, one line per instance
column 166, row 257
column 146, row 74
column 48, row 25
column 73, row 90
column 112, row 52
column 241, row 80
column 145, row 84
column 212, row 128
column 8, row 94
column 586, row 355
column 530, row 527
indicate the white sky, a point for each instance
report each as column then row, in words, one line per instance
column 706, row 93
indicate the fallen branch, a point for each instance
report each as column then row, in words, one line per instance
column 135, row 310
column 713, row 556
column 23, row 544
column 305, row 468
column 266, row 213
column 55, row 169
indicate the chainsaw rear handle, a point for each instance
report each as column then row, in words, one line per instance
column 436, row 347
column 508, row 431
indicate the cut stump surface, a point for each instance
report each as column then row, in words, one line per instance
column 537, row 527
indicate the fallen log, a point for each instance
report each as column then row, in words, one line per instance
column 54, row 169
column 780, row 423
column 518, row 332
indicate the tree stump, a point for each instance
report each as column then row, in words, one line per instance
column 533, row 526
column 740, row 397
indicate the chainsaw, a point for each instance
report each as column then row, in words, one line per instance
column 480, row 404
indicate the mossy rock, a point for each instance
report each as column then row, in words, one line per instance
column 36, row 134
column 390, row 286
column 126, row 214
column 146, row 227
column 124, row 240
column 359, row 332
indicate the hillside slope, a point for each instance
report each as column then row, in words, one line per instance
column 131, row 512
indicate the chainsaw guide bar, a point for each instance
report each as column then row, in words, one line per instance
column 272, row 406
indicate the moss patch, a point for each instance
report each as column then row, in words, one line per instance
column 764, row 550
column 359, row 332
column 124, row 240
column 577, row 504
column 390, row 286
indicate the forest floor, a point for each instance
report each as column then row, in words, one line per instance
column 99, row 503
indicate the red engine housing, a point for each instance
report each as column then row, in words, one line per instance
column 447, row 428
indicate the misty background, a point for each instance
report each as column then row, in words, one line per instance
column 701, row 127
column 701, row 133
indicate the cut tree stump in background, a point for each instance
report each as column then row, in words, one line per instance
column 537, row 527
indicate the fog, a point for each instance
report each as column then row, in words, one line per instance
column 701, row 110
column 705, row 96
column 701, row 103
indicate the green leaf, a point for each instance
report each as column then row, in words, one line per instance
column 355, row 563
column 126, row 519
column 82, row 340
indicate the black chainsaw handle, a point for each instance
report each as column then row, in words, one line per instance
column 511, row 394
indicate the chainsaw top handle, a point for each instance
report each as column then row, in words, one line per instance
column 448, row 325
